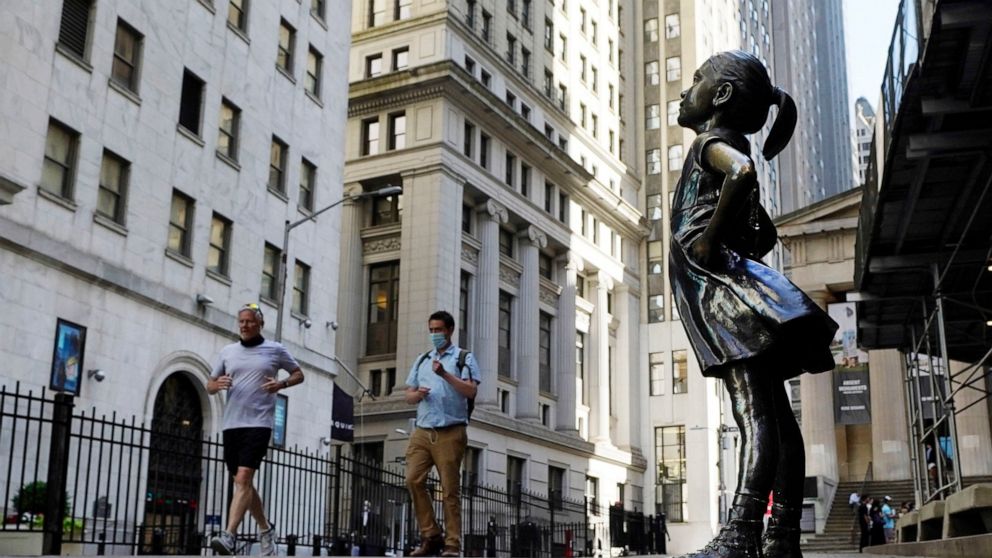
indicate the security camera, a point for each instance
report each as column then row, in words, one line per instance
column 333, row 325
column 326, row 440
column 307, row 323
column 204, row 299
column 96, row 374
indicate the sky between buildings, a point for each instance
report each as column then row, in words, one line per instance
column 867, row 33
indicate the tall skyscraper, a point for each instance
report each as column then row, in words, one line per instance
column 503, row 122
column 809, row 63
column 864, row 128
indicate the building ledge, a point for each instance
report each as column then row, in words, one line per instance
column 8, row 189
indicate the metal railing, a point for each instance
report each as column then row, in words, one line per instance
column 122, row 486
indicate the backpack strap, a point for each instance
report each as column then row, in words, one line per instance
column 462, row 357
column 422, row 358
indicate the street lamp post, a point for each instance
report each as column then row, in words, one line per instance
column 283, row 271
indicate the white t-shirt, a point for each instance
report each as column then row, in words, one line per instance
column 248, row 405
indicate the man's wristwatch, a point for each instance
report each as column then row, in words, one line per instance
column 285, row 384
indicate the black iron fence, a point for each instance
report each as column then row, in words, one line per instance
column 89, row 483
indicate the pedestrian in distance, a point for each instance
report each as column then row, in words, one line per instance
column 442, row 384
column 746, row 322
column 248, row 371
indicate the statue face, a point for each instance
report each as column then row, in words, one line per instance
column 697, row 104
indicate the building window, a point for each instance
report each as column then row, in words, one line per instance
column 287, row 40
column 373, row 65
column 127, row 56
column 468, row 144
column 301, row 288
column 673, row 28
column 524, row 180
column 59, row 169
column 487, row 23
column 653, row 116
column 549, row 197
column 463, row 306
column 563, row 207
column 673, row 68
column 315, row 63
column 580, row 361
column 384, row 281
column 651, row 30
column 592, row 495
column 472, row 469
column 669, row 447
column 505, row 354
column 525, row 13
column 467, row 219
column 675, row 309
column 191, row 102
column 562, row 96
column 397, row 130
column 308, row 182
column 112, row 195
column 654, row 207
column 470, row 66
column 506, row 243
column 511, row 99
column 383, row 382
column 237, row 14
column 402, row 9
column 556, row 486
column 651, row 73
column 656, row 363
column 377, row 12
column 525, row 62
column 386, row 210
column 595, row 79
column 653, row 161
column 470, row 13
column 318, row 8
column 656, row 308
column 674, row 157
column 544, row 352
column 370, row 136
column 564, row 46
column 594, row 32
column 486, row 78
column 595, row 128
column 218, row 255
column 484, row 151
column 680, row 372
column 514, row 478
column 549, row 35
column 544, row 266
column 180, row 223
column 227, row 133
column 277, row 165
column 270, row 267
column 510, row 169
column 401, row 58
column 511, row 49
column 75, row 25
column 673, row 113
column 511, row 7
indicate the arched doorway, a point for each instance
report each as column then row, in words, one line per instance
column 174, row 470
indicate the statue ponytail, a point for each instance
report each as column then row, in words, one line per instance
column 785, row 124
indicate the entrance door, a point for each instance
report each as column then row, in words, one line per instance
column 174, row 470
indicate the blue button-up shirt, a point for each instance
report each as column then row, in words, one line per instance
column 443, row 406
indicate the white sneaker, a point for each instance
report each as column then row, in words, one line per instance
column 223, row 543
column 267, row 540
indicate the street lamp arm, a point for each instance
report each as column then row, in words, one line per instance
column 313, row 216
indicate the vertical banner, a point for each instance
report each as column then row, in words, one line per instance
column 852, row 392
column 342, row 416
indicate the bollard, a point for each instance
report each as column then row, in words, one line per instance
column 101, row 547
column 291, row 545
column 316, row 545
column 158, row 542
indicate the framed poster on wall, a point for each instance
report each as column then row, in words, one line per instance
column 67, row 357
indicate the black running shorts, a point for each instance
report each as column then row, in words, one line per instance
column 245, row 447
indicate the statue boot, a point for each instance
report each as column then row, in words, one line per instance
column 741, row 536
column 781, row 539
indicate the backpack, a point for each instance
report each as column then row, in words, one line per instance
column 462, row 355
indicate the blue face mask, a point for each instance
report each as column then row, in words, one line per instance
column 438, row 340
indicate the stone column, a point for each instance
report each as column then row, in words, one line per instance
column 889, row 431
column 599, row 357
column 348, row 337
column 974, row 438
column 565, row 340
column 491, row 216
column 623, row 375
column 819, row 433
column 527, row 345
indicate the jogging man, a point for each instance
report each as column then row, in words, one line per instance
column 248, row 371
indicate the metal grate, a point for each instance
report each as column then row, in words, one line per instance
column 75, row 24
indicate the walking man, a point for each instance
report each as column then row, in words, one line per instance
column 248, row 371
column 442, row 383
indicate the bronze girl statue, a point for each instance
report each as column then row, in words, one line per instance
column 747, row 324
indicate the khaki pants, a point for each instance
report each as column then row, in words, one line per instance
column 445, row 450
